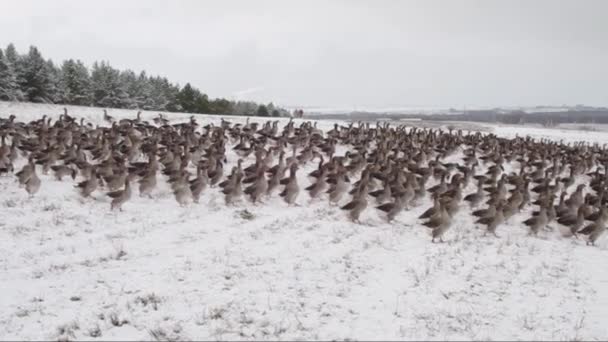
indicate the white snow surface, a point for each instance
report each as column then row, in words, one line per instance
column 73, row 269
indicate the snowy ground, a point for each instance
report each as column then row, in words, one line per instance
column 72, row 269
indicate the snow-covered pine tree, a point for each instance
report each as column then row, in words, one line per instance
column 144, row 97
column 56, row 89
column 8, row 83
column 36, row 79
column 172, row 94
column 76, row 83
column 244, row 108
column 221, row 106
column 157, row 93
column 13, row 61
column 108, row 90
column 131, row 87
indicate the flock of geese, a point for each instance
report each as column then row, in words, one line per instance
column 389, row 166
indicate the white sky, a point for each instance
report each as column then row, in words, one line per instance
column 338, row 53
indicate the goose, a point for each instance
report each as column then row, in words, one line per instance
column 337, row 191
column 357, row 205
column 476, row 198
column 119, row 197
column 32, row 185
column 538, row 222
column 26, row 172
column 147, row 183
column 492, row 222
column 392, row 209
column 199, row 184
column 291, row 191
column 574, row 223
column 259, row 187
column 233, row 191
column 62, row 171
column 594, row 231
column 89, row 185
column 439, row 223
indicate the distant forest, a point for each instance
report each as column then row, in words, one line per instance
column 31, row 78
column 548, row 118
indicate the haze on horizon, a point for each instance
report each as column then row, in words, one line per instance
column 349, row 54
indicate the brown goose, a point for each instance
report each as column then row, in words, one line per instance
column 392, row 209
column 594, row 230
column 432, row 210
column 319, row 186
column 87, row 187
column 576, row 199
column 291, row 191
column 337, row 191
column 26, row 172
column 107, row 117
column 276, row 174
column 358, row 204
column 562, row 208
column 382, row 195
column 408, row 194
column 62, row 171
column 117, row 180
column 199, row 184
column 216, row 174
column 492, row 222
column 439, row 188
column 476, row 198
column 573, row 222
column 259, row 187
column 33, row 184
column 439, row 223
column 512, row 205
column 119, row 197
column 181, row 189
column 536, row 223
column 233, row 191
column 147, row 183
column 490, row 211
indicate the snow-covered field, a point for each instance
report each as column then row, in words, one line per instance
column 73, row 269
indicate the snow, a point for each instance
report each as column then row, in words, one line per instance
column 73, row 269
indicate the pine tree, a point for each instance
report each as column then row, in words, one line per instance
column 169, row 94
column 193, row 101
column 36, row 81
column 76, row 83
column 131, row 87
column 108, row 91
column 262, row 111
column 13, row 61
column 172, row 94
column 56, row 91
column 187, row 99
column 245, row 108
column 145, row 92
column 8, row 84
column 221, row 106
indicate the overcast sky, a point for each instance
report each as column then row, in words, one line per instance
column 338, row 53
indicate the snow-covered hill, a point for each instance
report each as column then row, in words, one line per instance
column 73, row 269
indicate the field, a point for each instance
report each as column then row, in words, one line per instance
column 74, row 269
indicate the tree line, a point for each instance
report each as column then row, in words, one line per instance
column 32, row 78
column 595, row 115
